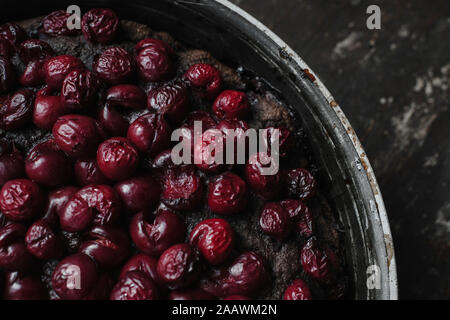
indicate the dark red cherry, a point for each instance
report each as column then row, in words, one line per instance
column 298, row 290
column 87, row 172
column 100, row 25
column 56, row 69
column 154, row 61
column 300, row 183
column 21, row 200
column 47, row 109
column 231, row 104
column 135, row 286
column 56, row 24
column 17, row 110
column 114, row 65
column 170, row 100
column 204, row 80
column 21, row 286
column 139, row 193
column 227, row 194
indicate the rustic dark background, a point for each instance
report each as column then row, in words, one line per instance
column 393, row 85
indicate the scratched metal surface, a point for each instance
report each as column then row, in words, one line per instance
column 393, row 85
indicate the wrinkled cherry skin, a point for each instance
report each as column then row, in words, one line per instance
column 114, row 66
column 42, row 242
column 267, row 186
column 246, row 275
column 179, row 266
column 135, row 286
column 204, row 80
column 300, row 184
column 14, row 255
column 80, row 90
column 56, row 69
column 11, row 167
column 231, row 104
column 112, row 121
column 190, row 294
column 153, row 235
column 214, row 239
column 17, row 111
column 7, row 75
column 163, row 161
column 126, row 95
column 47, row 109
column 76, row 135
column 87, row 172
column 298, row 290
column 34, row 49
column 275, row 221
column 170, row 100
column 98, row 204
column 21, row 200
column 33, row 75
column 227, row 194
column 154, row 60
column 100, row 25
column 150, row 133
column 302, row 216
column 143, row 263
column 55, row 24
column 319, row 263
column 24, row 287
column 57, row 200
column 46, row 164
column 239, row 128
column 204, row 159
column 139, row 193
column 182, row 188
column 74, row 277
column 117, row 158
column 107, row 246
column 13, row 33
column 285, row 140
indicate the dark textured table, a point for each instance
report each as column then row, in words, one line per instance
column 393, row 85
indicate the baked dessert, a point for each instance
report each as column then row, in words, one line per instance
column 92, row 205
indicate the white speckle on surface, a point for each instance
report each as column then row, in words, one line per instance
column 393, row 46
column 403, row 32
column 420, row 83
column 443, row 220
column 383, row 100
column 432, row 160
column 350, row 43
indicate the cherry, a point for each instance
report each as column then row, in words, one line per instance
column 24, row 287
column 48, row 165
column 107, row 246
column 14, row 255
column 47, row 109
column 139, row 193
column 235, row 129
column 152, row 235
column 74, row 277
column 13, row 33
column 182, row 188
column 231, row 104
column 204, row 80
column 143, row 263
column 209, row 151
column 11, row 167
column 100, row 25
column 87, row 172
column 301, row 215
column 285, row 140
column 57, row 200
column 153, row 58
column 7, row 75
column 76, row 135
column 112, row 121
column 98, row 204
column 179, row 266
column 318, row 262
column 214, row 239
column 55, row 24
column 150, row 133
column 163, row 161
column 126, row 95
column 170, row 100
column 114, row 65
column 300, row 184
column 17, row 110
column 80, row 90
column 134, row 286
column 298, row 290
column 34, row 50
column 42, row 241
column 117, row 158
column 33, row 75
column 20, row 200
column 56, row 69
column 267, row 186
column 7, row 49
column 190, row 294
column 227, row 194
column 246, row 275
column 275, row 221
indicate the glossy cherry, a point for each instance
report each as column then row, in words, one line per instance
column 47, row 109
column 285, row 140
column 182, row 188
column 235, row 131
column 153, row 234
column 267, row 185
column 154, row 60
column 42, row 242
column 46, row 164
column 231, row 104
column 56, row 24
column 57, row 200
column 74, row 277
column 13, row 33
column 214, row 238
column 87, row 172
column 56, row 69
column 204, row 80
column 98, row 204
column 7, row 75
column 24, row 287
column 80, row 90
column 139, row 193
column 298, row 290
column 301, row 215
column 143, row 263
column 14, row 255
column 209, row 151
column 11, row 167
column 170, row 100
column 126, row 95
column 227, row 194
column 135, row 285
column 115, row 124
column 17, row 110
column 179, row 266
column 33, row 75
column 150, row 133
column 275, row 221
column 21, row 200
column 100, row 25
column 114, row 65
column 300, row 184
column 117, row 158
column 33, row 50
